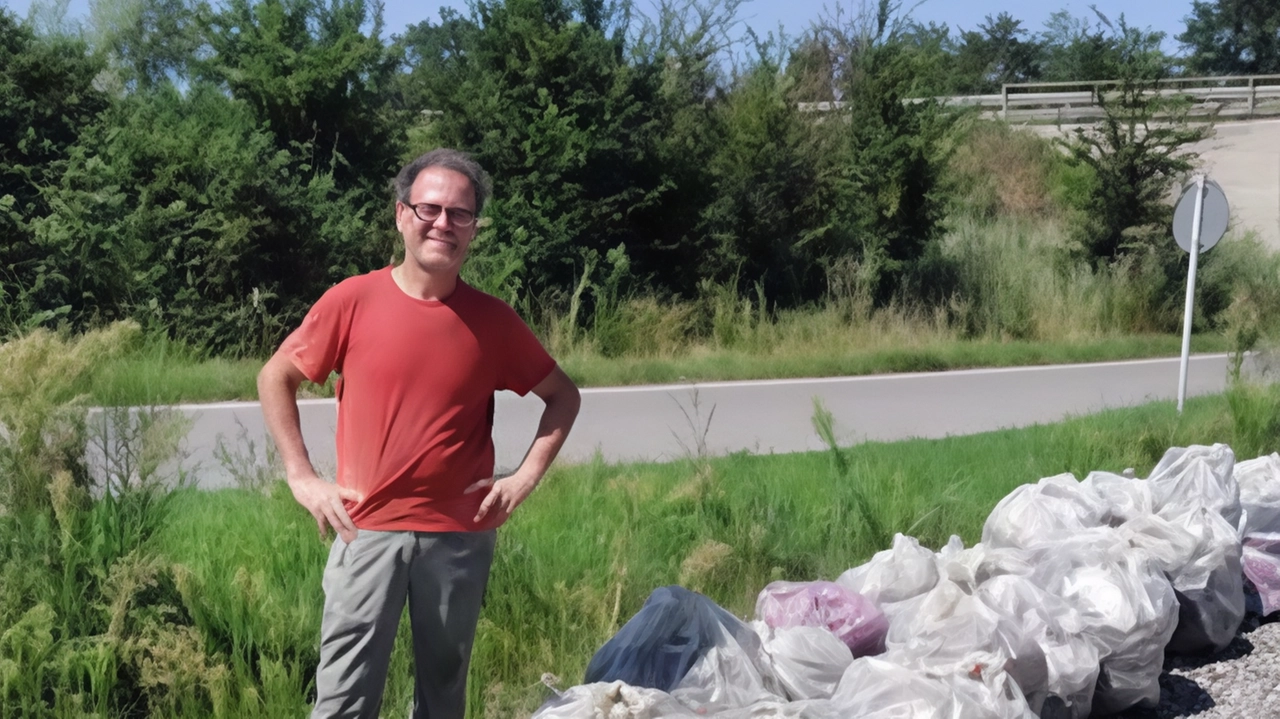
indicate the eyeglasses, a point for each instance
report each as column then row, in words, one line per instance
column 428, row 212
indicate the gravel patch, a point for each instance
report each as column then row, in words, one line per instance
column 1240, row 682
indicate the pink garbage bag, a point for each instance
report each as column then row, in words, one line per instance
column 1262, row 567
column 853, row 618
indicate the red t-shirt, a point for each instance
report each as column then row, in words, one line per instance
column 415, row 397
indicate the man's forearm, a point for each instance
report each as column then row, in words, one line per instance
column 553, row 429
column 277, row 393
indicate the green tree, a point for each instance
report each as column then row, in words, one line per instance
column 764, row 180
column 313, row 72
column 47, row 95
column 879, row 201
column 1137, row 153
column 1232, row 37
column 545, row 102
column 1000, row 51
column 147, row 42
column 177, row 209
column 680, row 53
column 1077, row 49
column 930, row 49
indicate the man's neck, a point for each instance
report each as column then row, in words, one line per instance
column 423, row 285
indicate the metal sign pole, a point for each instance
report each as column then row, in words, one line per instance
column 1191, row 291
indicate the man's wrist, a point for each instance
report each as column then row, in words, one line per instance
column 528, row 478
column 296, row 475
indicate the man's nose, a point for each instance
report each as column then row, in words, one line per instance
column 443, row 222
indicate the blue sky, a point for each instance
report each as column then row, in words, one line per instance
column 796, row 15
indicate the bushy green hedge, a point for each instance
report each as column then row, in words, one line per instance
column 209, row 171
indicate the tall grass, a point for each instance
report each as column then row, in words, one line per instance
column 1015, row 280
column 161, row 371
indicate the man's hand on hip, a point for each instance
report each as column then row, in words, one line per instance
column 324, row 501
column 504, row 496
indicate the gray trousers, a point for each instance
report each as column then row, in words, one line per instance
column 366, row 583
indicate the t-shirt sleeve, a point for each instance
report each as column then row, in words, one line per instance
column 525, row 362
column 319, row 344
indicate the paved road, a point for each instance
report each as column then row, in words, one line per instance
column 1244, row 157
column 671, row 421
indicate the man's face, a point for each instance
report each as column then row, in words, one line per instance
column 439, row 245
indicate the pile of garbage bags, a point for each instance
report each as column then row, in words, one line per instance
column 1066, row 608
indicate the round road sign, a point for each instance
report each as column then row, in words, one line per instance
column 1213, row 216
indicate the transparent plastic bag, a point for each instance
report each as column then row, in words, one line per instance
column 612, row 700
column 1128, row 610
column 1197, row 476
column 1168, row 543
column 892, row 575
column 851, row 617
column 1124, row 498
column 732, row 674
column 973, row 566
column 1261, row 561
column 807, row 709
column 808, row 661
column 1210, row 587
column 873, row 688
column 948, row 631
column 1201, row 556
column 673, row 632
column 1070, row 659
column 1259, row 481
column 1043, row 512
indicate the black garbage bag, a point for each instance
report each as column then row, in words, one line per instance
column 670, row 633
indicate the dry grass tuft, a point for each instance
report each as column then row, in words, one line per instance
column 703, row 563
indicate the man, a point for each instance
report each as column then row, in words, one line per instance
column 415, row 505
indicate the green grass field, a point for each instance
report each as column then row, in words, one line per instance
column 234, row 596
column 161, row 373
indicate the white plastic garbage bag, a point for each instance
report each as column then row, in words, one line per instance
column 1210, row 588
column 1123, row 498
column 1196, row 476
column 1127, row 606
column 729, row 675
column 892, row 575
column 613, row 700
column 1259, row 481
column 991, row 693
column 1071, row 660
column 973, row 566
column 1169, row 544
column 873, row 688
column 1043, row 512
column 808, row 709
column 1201, row 556
column 808, row 661
column 948, row 631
